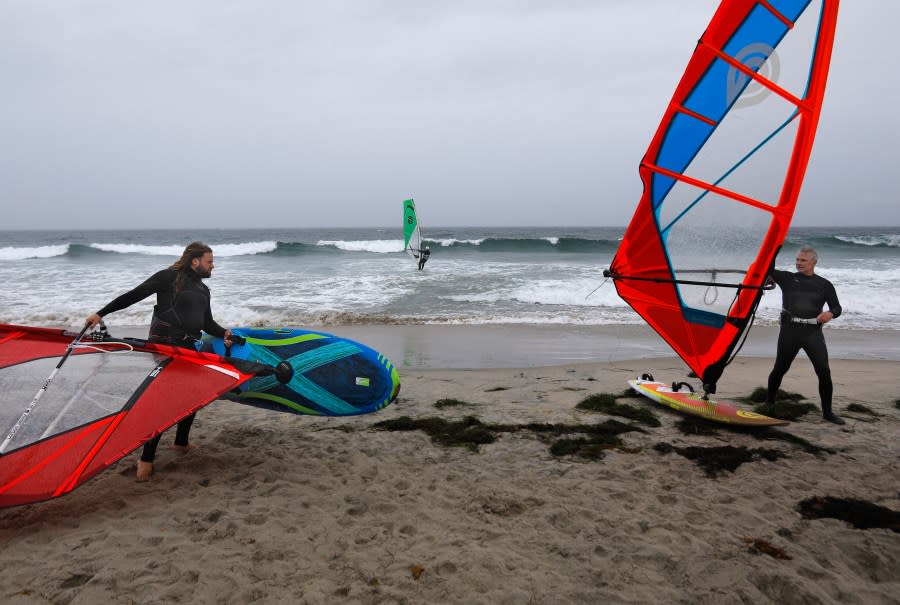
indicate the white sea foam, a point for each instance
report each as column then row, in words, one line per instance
column 16, row 253
column 379, row 246
column 176, row 249
column 244, row 249
column 891, row 240
column 446, row 243
column 571, row 293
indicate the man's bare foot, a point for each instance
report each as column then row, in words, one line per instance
column 144, row 470
column 182, row 448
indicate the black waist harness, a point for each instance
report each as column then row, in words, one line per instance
column 169, row 332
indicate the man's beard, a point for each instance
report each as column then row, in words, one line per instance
column 203, row 274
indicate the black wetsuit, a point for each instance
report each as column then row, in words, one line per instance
column 174, row 318
column 803, row 297
column 423, row 258
column 177, row 320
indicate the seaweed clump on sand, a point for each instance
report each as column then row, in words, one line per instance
column 760, row 394
column 715, row 460
column 471, row 432
column 861, row 514
column 468, row 432
column 450, row 403
column 786, row 406
column 784, row 410
column 606, row 403
column 598, row 437
column 590, row 449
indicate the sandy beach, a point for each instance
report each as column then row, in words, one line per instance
column 275, row 508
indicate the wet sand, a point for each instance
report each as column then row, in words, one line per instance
column 515, row 346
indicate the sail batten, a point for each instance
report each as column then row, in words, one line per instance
column 708, row 187
column 753, row 75
column 787, row 22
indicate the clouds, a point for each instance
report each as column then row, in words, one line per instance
column 205, row 113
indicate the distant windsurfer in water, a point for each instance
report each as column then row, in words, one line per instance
column 804, row 294
column 423, row 257
column 182, row 310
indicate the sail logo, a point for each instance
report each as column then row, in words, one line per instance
column 740, row 89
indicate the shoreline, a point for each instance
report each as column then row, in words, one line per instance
column 496, row 346
column 526, row 345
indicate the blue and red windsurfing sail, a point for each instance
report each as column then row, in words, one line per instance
column 722, row 176
column 108, row 399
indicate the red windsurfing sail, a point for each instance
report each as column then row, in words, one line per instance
column 722, row 176
column 108, row 399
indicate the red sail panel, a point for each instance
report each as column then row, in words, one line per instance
column 723, row 173
column 104, row 402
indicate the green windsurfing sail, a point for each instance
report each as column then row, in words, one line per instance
column 412, row 235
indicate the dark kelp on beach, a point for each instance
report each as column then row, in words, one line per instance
column 451, row 403
column 607, row 403
column 470, row 433
column 787, row 405
column 861, row 514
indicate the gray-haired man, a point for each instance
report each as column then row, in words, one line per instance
column 804, row 294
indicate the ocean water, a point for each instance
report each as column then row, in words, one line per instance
column 299, row 277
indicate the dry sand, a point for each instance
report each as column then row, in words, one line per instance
column 275, row 508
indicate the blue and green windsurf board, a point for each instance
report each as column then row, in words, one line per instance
column 332, row 376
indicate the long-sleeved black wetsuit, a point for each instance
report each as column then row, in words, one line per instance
column 177, row 319
column 423, row 258
column 803, row 297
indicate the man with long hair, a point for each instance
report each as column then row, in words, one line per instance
column 181, row 312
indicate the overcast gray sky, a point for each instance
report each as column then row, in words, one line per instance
column 218, row 113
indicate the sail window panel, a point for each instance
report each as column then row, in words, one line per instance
column 750, row 151
column 715, row 243
column 796, row 52
column 88, row 387
column 760, row 175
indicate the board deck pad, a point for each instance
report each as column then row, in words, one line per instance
column 693, row 403
column 333, row 376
